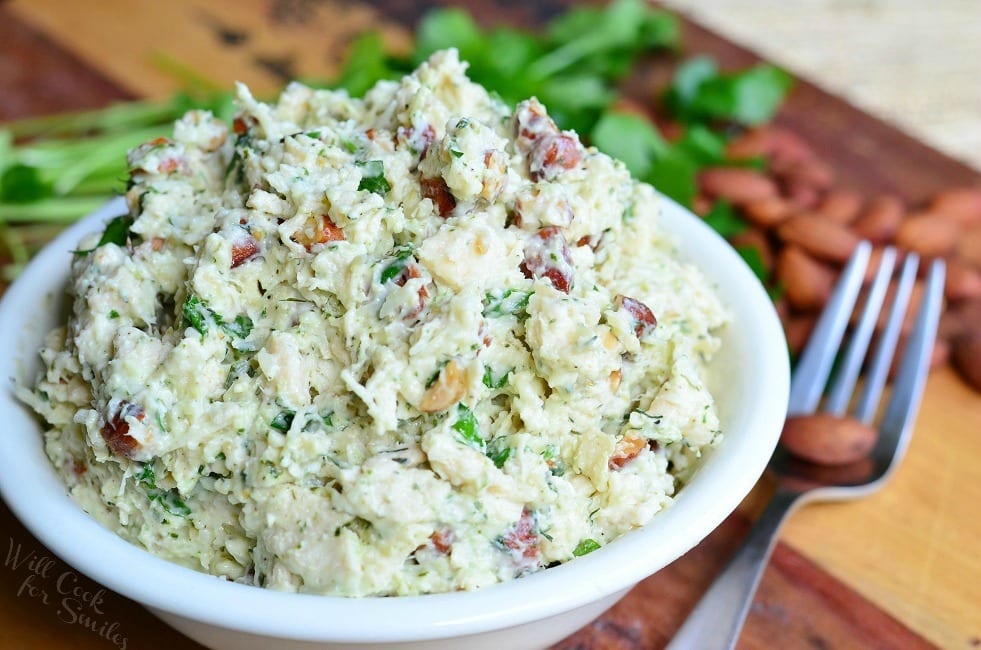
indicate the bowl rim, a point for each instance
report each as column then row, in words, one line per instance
column 62, row 526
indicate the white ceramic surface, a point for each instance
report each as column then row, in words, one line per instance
column 750, row 379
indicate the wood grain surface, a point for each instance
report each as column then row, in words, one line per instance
column 897, row 570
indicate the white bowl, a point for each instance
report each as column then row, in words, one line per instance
column 749, row 377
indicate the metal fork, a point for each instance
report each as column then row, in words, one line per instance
column 717, row 620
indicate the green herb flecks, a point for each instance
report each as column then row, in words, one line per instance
column 169, row 500
column 585, row 547
column 147, row 476
column 196, row 314
column 498, row 451
column 283, row 420
column 241, row 368
column 373, row 177
column 512, row 302
column 555, row 465
column 397, row 265
column 241, row 327
column 466, row 426
column 116, row 232
column 495, row 384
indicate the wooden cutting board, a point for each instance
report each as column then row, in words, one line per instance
column 898, row 570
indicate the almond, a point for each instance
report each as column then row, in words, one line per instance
column 736, row 184
column 779, row 144
column 826, row 439
column 798, row 329
column 782, row 307
column 785, row 147
column 821, row 238
column 446, row 391
column 767, row 213
column 965, row 353
column 928, row 234
column 841, row 206
column 701, row 204
column 961, row 204
column 880, row 220
column 969, row 248
column 941, row 354
column 752, row 143
column 951, row 325
column 803, row 196
column 962, row 281
column 811, row 173
column 807, row 283
column 805, row 476
column 959, row 319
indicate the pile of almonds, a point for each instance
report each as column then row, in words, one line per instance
column 806, row 225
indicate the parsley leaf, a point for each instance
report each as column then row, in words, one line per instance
column 373, row 177
column 402, row 254
column 116, row 232
column 498, row 451
column 195, row 314
column 171, row 502
column 466, row 426
column 240, row 327
column 366, row 63
column 674, row 176
column 629, row 138
column 488, row 379
column 751, row 96
column 446, row 28
column 283, row 420
column 23, row 184
column 146, row 476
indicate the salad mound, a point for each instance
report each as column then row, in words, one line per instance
column 410, row 343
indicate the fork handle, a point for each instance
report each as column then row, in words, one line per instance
column 718, row 618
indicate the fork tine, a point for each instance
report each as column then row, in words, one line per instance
column 847, row 375
column 814, row 365
column 878, row 371
column 896, row 425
